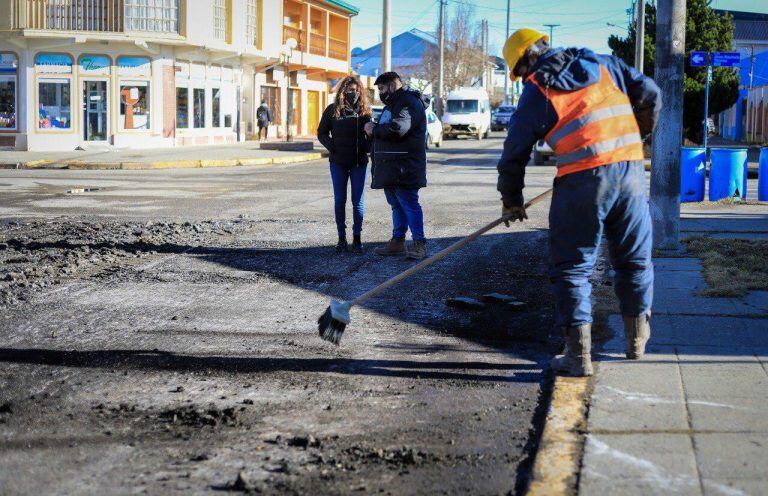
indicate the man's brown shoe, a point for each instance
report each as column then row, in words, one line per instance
column 417, row 250
column 394, row 247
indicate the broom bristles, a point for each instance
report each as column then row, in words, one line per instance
column 329, row 328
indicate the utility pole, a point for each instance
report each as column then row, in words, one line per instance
column 640, row 35
column 551, row 32
column 508, row 69
column 386, row 42
column 482, row 47
column 440, row 57
column 668, row 135
column 749, row 92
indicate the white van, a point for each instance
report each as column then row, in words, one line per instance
column 468, row 112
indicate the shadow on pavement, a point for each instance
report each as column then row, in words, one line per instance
column 159, row 360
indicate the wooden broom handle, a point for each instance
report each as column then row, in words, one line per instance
column 441, row 254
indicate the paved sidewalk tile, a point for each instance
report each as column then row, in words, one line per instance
column 641, row 464
column 677, row 264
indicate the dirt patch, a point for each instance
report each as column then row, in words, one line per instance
column 732, row 267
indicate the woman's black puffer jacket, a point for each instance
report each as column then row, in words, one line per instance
column 344, row 136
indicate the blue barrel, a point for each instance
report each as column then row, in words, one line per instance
column 693, row 172
column 726, row 173
column 762, row 175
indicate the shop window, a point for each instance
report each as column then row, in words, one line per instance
column 182, row 108
column 216, row 106
column 7, row 102
column 134, row 105
column 198, row 105
column 271, row 95
column 55, row 108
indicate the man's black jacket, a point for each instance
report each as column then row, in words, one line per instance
column 399, row 143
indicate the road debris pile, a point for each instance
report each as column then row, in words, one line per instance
column 42, row 253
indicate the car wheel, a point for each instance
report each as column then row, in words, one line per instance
column 538, row 158
column 487, row 133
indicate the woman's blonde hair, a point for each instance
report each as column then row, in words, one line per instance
column 363, row 105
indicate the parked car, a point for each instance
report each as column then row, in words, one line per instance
column 541, row 152
column 467, row 112
column 434, row 130
column 501, row 117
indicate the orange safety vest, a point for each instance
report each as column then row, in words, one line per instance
column 595, row 127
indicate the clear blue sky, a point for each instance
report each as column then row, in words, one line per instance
column 582, row 23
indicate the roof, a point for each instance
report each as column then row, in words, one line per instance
column 748, row 25
column 344, row 6
column 408, row 50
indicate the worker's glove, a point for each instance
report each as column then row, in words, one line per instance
column 513, row 208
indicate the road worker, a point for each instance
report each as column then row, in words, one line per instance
column 594, row 111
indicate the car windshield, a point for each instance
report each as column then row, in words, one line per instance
column 462, row 106
column 505, row 110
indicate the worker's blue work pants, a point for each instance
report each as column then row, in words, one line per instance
column 610, row 199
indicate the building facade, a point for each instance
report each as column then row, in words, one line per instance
column 151, row 73
column 746, row 120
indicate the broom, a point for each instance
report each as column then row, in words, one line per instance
column 334, row 320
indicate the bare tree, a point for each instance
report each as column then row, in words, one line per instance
column 463, row 59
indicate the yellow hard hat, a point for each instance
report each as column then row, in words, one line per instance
column 518, row 43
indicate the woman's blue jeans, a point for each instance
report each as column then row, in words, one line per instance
column 340, row 176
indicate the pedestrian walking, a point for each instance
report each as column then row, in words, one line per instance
column 263, row 119
column 594, row 111
column 400, row 162
column 342, row 132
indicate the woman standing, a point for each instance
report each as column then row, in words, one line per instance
column 341, row 132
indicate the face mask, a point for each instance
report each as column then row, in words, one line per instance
column 351, row 97
column 385, row 97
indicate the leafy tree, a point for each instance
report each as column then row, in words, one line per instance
column 705, row 30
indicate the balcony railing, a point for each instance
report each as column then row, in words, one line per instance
column 111, row 16
column 296, row 34
column 338, row 49
column 317, row 44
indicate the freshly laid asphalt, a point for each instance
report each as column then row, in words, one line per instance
column 180, row 363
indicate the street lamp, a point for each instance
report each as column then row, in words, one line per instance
column 287, row 53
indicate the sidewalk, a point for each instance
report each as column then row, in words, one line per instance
column 692, row 417
column 230, row 155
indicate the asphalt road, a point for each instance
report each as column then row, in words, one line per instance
column 158, row 335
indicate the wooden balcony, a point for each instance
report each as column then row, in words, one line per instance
column 296, row 34
column 338, row 49
column 106, row 16
column 317, row 44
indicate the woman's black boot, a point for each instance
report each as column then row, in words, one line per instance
column 342, row 245
column 357, row 244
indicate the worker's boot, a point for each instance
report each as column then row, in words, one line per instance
column 637, row 331
column 417, row 250
column 393, row 247
column 576, row 360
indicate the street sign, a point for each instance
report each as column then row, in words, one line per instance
column 726, row 59
column 698, row 59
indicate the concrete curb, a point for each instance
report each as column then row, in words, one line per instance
column 173, row 164
column 558, row 459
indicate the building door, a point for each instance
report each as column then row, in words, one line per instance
column 313, row 111
column 95, row 114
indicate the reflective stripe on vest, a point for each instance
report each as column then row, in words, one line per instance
column 596, row 126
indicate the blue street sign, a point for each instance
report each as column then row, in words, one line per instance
column 726, row 59
column 698, row 59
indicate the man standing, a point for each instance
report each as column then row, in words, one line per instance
column 593, row 111
column 263, row 118
column 400, row 162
